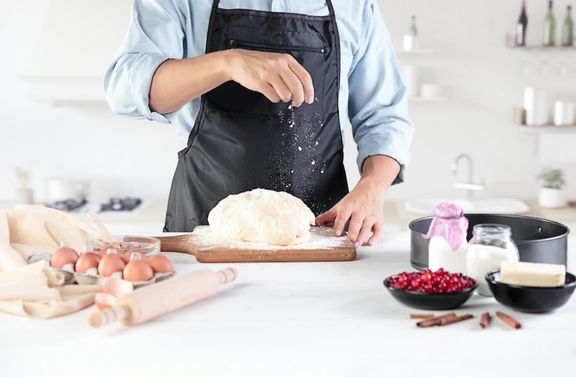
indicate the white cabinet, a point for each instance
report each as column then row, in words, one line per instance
column 71, row 42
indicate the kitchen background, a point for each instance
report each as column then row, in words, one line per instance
column 55, row 122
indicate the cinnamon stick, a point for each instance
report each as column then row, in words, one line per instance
column 509, row 320
column 485, row 320
column 451, row 320
column 421, row 316
column 435, row 321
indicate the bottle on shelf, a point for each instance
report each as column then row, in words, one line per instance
column 413, row 27
column 550, row 26
column 410, row 42
column 522, row 26
column 568, row 28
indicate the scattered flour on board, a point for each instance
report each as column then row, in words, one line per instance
column 320, row 238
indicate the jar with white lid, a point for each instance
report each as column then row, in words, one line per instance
column 490, row 245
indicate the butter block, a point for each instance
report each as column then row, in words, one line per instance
column 533, row 274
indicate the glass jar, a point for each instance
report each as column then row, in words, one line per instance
column 447, row 234
column 490, row 245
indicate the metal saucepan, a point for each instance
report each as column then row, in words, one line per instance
column 538, row 240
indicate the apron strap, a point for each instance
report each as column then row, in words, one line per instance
column 331, row 9
column 215, row 4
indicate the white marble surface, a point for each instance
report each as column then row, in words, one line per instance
column 310, row 319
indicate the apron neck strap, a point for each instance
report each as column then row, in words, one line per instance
column 215, row 4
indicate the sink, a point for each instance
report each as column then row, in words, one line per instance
column 489, row 205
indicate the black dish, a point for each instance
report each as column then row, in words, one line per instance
column 538, row 240
column 430, row 301
column 530, row 299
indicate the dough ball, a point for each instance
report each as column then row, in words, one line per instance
column 264, row 216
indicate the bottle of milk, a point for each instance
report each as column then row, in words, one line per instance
column 490, row 245
column 447, row 234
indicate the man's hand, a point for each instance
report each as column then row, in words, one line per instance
column 277, row 76
column 363, row 207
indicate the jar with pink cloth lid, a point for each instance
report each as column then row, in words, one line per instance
column 447, row 234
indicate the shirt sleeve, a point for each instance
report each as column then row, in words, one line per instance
column 377, row 105
column 155, row 35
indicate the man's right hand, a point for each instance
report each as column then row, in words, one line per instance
column 277, row 76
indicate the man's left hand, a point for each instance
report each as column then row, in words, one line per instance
column 363, row 209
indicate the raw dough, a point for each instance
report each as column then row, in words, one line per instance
column 264, row 216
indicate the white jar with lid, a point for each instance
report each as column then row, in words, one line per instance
column 490, row 245
column 447, row 234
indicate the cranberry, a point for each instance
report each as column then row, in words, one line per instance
column 427, row 281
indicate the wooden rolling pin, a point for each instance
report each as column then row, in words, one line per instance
column 157, row 299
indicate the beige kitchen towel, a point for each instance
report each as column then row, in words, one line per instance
column 35, row 273
column 43, row 229
column 40, row 301
column 37, row 291
column 10, row 258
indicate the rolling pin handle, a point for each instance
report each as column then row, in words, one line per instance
column 108, row 316
column 227, row 275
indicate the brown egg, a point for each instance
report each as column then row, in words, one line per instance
column 103, row 251
column 138, row 269
column 110, row 263
column 63, row 256
column 160, row 263
column 87, row 261
column 126, row 256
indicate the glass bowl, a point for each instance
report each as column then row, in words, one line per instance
column 125, row 244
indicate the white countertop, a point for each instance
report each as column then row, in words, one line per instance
column 308, row 319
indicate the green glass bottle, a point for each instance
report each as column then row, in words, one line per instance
column 413, row 27
column 550, row 26
column 568, row 28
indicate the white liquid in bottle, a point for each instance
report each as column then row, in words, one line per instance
column 441, row 255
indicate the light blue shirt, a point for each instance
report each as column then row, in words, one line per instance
column 372, row 95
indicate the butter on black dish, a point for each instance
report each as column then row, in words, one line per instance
column 533, row 274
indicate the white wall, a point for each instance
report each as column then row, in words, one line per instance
column 483, row 81
column 117, row 156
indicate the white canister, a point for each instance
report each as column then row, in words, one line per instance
column 536, row 106
column 59, row 189
column 411, row 81
column 430, row 91
column 564, row 113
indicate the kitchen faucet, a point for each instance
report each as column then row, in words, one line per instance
column 469, row 186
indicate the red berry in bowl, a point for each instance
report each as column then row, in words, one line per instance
column 427, row 281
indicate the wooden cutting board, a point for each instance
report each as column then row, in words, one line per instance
column 322, row 247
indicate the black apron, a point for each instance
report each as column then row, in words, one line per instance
column 242, row 141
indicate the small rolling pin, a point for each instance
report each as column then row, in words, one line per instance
column 157, row 299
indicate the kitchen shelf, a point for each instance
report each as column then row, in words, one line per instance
column 416, row 52
column 547, row 129
column 426, row 99
column 536, row 48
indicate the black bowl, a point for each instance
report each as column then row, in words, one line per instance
column 538, row 240
column 430, row 301
column 530, row 299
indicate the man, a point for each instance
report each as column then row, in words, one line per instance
column 261, row 90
